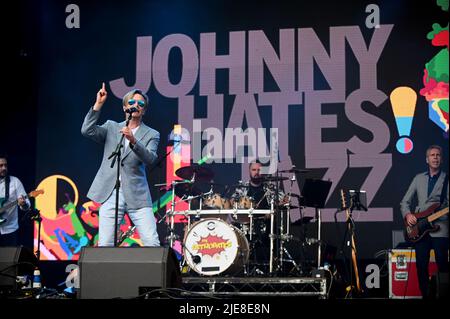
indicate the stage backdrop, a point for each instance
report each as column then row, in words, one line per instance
column 353, row 91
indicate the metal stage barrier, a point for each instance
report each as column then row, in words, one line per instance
column 244, row 286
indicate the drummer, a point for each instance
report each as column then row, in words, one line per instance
column 255, row 188
column 256, row 191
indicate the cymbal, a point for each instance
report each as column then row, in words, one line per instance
column 295, row 170
column 270, row 178
column 209, row 183
column 202, row 173
column 186, row 189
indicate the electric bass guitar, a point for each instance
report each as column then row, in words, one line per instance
column 4, row 207
column 424, row 223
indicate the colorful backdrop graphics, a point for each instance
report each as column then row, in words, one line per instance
column 436, row 73
column 403, row 101
column 65, row 230
column 179, row 150
column 327, row 85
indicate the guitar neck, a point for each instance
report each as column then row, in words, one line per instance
column 437, row 215
column 12, row 204
column 8, row 206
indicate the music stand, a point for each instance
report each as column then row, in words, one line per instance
column 358, row 200
column 315, row 193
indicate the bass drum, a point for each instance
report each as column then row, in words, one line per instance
column 212, row 247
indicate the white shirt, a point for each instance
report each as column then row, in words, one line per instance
column 15, row 191
column 127, row 144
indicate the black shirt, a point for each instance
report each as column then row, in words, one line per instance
column 257, row 193
column 432, row 181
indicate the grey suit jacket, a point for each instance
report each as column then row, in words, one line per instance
column 419, row 188
column 133, row 177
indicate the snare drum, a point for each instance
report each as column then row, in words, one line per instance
column 212, row 247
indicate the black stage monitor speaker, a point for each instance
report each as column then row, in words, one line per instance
column 126, row 272
column 15, row 261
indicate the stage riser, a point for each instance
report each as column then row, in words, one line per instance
column 229, row 287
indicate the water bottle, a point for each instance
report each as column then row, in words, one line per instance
column 37, row 279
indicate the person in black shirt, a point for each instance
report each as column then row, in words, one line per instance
column 256, row 189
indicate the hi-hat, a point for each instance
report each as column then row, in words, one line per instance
column 199, row 173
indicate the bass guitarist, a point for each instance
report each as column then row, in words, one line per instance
column 430, row 187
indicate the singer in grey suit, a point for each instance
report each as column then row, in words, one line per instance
column 428, row 188
column 139, row 151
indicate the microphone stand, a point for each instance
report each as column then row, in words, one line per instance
column 278, row 220
column 117, row 156
column 37, row 217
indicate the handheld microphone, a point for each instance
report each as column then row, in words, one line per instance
column 131, row 110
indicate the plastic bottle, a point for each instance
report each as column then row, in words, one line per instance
column 37, row 284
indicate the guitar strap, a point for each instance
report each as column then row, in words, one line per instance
column 7, row 181
column 444, row 189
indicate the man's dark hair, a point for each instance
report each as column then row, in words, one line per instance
column 256, row 161
column 3, row 155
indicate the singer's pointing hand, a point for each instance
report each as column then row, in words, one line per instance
column 126, row 131
column 101, row 98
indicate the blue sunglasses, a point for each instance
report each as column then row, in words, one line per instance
column 139, row 102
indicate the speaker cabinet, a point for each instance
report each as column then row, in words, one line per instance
column 15, row 261
column 126, row 272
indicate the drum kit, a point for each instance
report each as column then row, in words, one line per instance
column 231, row 232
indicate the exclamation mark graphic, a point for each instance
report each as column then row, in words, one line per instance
column 403, row 101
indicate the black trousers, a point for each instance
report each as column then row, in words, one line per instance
column 440, row 246
column 11, row 239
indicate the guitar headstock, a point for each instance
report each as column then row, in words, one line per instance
column 344, row 199
column 36, row 193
